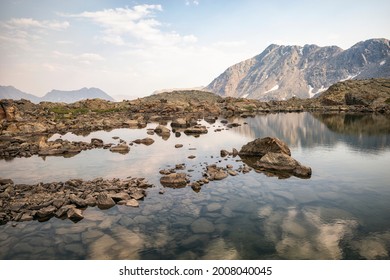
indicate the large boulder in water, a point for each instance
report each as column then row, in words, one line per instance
column 282, row 163
column 273, row 156
column 262, row 146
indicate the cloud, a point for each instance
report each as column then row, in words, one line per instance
column 20, row 32
column 134, row 26
column 194, row 2
column 29, row 23
column 86, row 58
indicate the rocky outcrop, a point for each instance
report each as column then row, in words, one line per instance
column 21, row 202
column 282, row 72
column 274, row 157
column 261, row 146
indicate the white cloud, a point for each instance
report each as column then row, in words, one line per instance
column 194, row 2
column 29, row 23
column 137, row 25
column 86, row 58
column 21, row 32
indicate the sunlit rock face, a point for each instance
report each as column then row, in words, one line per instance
column 281, row 72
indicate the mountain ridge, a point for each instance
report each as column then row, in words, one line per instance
column 70, row 96
column 281, row 72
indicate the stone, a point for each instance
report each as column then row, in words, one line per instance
column 75, row 214
column 79, row 202
column 174, row 180
column 120, row 196
column 224, row 153
column 202, row 225
column 178, row 146
column 146, row 141
column 104, row 201
column 179, row 122
column 161, row 130
column 262, row 146
column 191, row 157
column 283, row 163
column 132, row 203
column 232, row 172
column 197, row 129
column 235, row 152
column 138, row 195
column 46, row 212
column 122, row 148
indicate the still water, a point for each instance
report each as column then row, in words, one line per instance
column 341, row 212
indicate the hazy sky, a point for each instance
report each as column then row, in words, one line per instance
column 131, row 48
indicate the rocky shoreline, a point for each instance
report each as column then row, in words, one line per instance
column 26, row 127
column 22, row 202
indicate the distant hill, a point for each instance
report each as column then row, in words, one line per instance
column 75, row 95
column 9, row 92
column 282, row 72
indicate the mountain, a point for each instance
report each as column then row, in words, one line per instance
column 75, row 95
column 281, row 72
column 9, row 92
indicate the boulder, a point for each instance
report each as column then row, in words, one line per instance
column 262, row 146
column 273, row 156
column 75, row 214
column 283, row 163
column 122, row 148
column 179, row 122
column 146, row 141
column 197, row 129
column 174, row 180
column 104, row 201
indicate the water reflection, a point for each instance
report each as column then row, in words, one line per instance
column 342, row 212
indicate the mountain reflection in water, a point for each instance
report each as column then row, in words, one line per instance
column 342, row 212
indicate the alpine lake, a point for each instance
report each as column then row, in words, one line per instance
column 341, row 212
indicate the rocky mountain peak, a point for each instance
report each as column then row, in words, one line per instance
column 281, row 72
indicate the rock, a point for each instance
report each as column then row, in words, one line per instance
column 224, row 153
column 178, row 146
column 120, row 196
column 26, row 217
column 235, row 152
column 202, row 226
column 146, row 141
column 97, row 142
column 75, row 214
column 6, row 181
column 104, row 201
column 216, row 173
column 132, row 203
column 283, row 163
column 46, row 212
column 232, row 172
column 165, row 172
column 79, row 202
column 174, row 180
column 122, row 148
column 179, row 122
column 137, row 195
column 191, row 157
column 261, row 146
column 197, row 129
column 161, row 130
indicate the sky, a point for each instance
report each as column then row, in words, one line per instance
column 132, row 48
